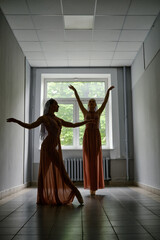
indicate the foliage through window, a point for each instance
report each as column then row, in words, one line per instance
column 69, row 109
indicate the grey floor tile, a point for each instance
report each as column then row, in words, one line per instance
column 95, row 224
column 98, row 231
column 66, row 237
column 11, row 224
column 66, row 232
column 37, row 224
column 156, row 236
column 115, row 213
column 119, row 218
column 8, row 231
column 6, row 237
column 147, row 217
column 30, row 237
column 135, row 237
column 34, row 231
column 153, row 229
column 100, row 237
column 150, row 222
column 5, row 213
column 94, row 218
column 125, row 223
column 2, row 218
column 130, row 230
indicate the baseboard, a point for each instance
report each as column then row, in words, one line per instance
column 8, row 192
column 148, row 188
column 120, row 183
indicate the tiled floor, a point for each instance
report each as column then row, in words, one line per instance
column 115, row 213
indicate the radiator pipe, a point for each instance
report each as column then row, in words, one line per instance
column 126, row 123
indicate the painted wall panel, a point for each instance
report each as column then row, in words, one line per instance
column 146, row 112
column 152, row 42
column 11, row 105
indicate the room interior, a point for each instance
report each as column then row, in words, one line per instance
column 71, row 40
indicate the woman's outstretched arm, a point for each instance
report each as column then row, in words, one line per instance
column 27, row 125
column 78, row 100
column 74, row 125
column 100, row 110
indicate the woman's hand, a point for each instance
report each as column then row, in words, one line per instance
column 109, row 89
column 11, row 120
column 72, row 88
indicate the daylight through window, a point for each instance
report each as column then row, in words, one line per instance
column 69, row 109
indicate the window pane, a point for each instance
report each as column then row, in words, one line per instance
column 85, row 89
column 66, row 113
column 102, row 126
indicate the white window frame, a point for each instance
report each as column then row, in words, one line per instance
column 107, row 81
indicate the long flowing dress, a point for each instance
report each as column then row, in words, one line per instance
column 92, row 154
column 54, row 184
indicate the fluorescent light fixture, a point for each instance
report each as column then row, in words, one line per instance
column 78, row 22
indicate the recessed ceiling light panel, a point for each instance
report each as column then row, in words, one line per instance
column 78, row 22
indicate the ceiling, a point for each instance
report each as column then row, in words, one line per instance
column 118, row 30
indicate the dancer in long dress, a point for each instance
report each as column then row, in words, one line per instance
column 92, row 151
column 54, row 184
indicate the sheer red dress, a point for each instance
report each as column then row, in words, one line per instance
column 54, row 184
column 92, row 154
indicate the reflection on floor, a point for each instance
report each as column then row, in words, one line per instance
column 114, row 213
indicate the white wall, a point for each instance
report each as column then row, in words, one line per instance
column 27, row 157
column 11, row 105
column 146, row 110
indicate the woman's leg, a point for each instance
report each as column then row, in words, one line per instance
column 58, row 161
column 70, row 184
column 93, row 193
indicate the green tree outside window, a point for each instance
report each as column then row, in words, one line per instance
column 66, row 113
column 86, row 90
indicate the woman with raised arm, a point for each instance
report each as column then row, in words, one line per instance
column 92, row 151
column 54, row 184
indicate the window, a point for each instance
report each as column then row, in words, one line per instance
column 69, row 109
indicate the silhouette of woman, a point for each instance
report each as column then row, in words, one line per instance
column 54, row 184
column 92, row 152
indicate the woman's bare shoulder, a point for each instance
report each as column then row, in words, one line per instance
column 42, row 118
